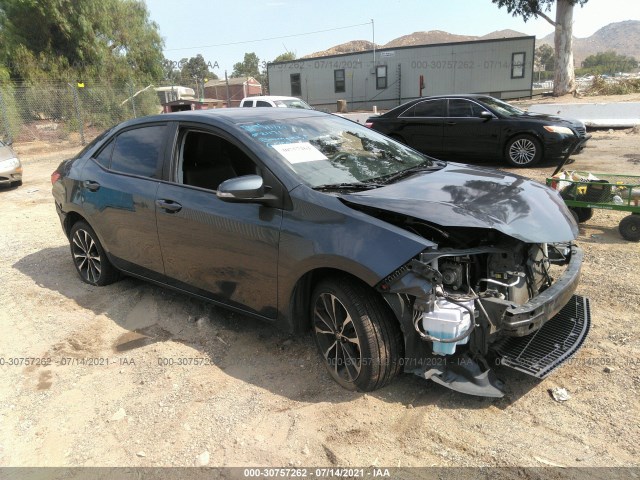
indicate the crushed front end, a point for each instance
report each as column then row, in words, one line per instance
column 497, row 301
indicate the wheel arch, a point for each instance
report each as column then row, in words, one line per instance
column 300, row 298
column 530, row 133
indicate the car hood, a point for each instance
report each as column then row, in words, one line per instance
column 551, row 119
column 6, row 153
column 466, row 196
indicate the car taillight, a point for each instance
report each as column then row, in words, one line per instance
column 368, row 124
column 55, row 176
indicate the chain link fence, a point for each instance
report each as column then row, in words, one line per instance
column 67, row 113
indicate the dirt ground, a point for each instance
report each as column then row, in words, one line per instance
column 253, row 396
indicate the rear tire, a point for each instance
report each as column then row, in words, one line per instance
column 89, row 257
column 630, row 228
column 523, row 151
column 357, row 336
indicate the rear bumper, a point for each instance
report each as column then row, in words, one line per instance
column 521, row 320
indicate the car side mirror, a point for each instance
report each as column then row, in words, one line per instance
column 246, row 187
column 486, row 115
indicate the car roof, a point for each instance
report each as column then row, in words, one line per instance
column 410, row 103
column 230, row 116
column 271, row 97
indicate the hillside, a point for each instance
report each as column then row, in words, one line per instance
column 623, row 37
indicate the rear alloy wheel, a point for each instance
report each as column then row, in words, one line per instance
column 89, row 257
column 523, row 151
column 356, row 334
column 630, row 228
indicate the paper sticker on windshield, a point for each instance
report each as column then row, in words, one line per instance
column 299, row 152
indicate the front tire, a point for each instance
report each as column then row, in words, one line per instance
column 89, row 257
column 523, row 151
column 356, row 334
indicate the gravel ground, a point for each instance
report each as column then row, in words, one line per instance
column 254, row 396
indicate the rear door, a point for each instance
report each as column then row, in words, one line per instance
column 119, row 192
column 225, row 251
column 421, row 126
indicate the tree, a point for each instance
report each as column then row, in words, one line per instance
column 564, row 76
column 249, row 67
column 285, row 57
column 545, row 58
column 112, row 40
column 609, row 62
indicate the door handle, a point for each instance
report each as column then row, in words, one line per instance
column 451, row 123
column 91, row 185
column 169, row 205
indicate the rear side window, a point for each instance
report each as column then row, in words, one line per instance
column 428, row 108
column 262, row 103
column 248, row 103
column 139, row 151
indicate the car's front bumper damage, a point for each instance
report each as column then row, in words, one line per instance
column 533, row 337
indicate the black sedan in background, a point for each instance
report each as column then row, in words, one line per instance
column 468, row 127
column 392, row 259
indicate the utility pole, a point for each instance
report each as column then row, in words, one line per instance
column 373, row 34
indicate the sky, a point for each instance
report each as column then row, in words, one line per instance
column 222, row 31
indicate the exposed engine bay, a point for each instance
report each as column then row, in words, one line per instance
column 468, row 298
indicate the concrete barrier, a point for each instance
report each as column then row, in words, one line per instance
column 605, row 115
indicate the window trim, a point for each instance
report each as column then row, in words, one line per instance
column 336, row 89
column 519, row 65
column 381, row 77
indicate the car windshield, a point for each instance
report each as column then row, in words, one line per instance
column 292, row 104
column 501, row 107
column 331, row 151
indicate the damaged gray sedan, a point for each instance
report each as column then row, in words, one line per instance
column 394, row 260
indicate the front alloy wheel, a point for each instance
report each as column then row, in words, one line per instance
column 356, row 334
column 523, row 151
column 89, row 257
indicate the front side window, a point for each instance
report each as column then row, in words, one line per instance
column 463, row 108
column 517, row 65
column 381, row 77
column 206, row 160
column 338, row 81
column 139, row 151
column 296, row 86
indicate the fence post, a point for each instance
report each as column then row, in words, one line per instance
column 133, row 102
column 5, row 118
column 76, row 102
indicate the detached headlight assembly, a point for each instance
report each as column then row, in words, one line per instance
column 555, row 129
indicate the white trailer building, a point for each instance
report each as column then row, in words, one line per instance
column 389, row 77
